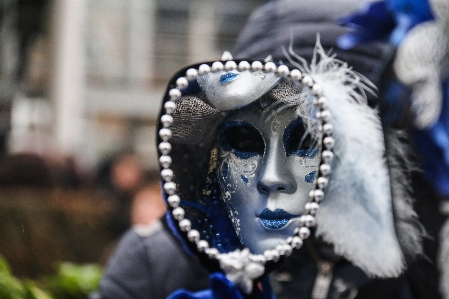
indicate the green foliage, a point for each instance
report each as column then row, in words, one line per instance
column 74, row 281
column 12, row 288
column 70, row 282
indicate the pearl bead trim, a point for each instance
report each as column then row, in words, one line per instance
column 324, row 167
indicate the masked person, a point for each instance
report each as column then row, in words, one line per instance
column 257, row 156
column 257, row 164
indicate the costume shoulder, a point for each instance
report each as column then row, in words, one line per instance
column 149, row 264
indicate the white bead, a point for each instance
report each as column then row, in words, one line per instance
column 217, row 66
column 308, row 220
column 324, row 115
column 256, row 66
column 327, row 156
column 297, row 242
column 182, row 83
column 167, row 174
column 258, row 258
column 271, row 255
column 312, row 194
column 325, row 169
column 178, row 213
column 322, row 102
column 283, row 70
column 307, row 80
column 165, row 147
column 329, row 142
column 165, row 161
column 174, row 200
column 296, row 75
column 166, row 120
column 312, row 207
column 270, row 67
column 202, row 245
column 316, row 89
column 322, row 182
column 279, row 248
column 304, row 233
column 193, row 236
column 212, row 252
column 165, row 134
column 318, row 195
column 328, row 129
column 174, row 94
column 170, row 107
column 244, row 66
column 287, row 249
column 185, row 225
column 226, row 56
column 204, row 69
column 230, row 65
column 170, row 187
column 191, row 74
column 284, row 249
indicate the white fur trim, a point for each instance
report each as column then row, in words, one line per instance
column 356, row 215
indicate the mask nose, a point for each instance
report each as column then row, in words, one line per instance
column 275, row 176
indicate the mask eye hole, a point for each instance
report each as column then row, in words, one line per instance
column 298, row 141
column 241, row 137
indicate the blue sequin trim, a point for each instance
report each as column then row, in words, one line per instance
column 310, row 177
column 228, row 77
column 307, row 153
column 245, row 155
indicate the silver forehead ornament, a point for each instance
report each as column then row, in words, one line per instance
column 240, row 266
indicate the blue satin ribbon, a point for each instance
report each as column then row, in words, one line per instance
column 220, row 288
column 384, row 20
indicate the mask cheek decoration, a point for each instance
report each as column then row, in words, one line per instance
column 237, row 163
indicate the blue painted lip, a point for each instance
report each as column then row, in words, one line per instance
column 228, row 77
column 275, row 219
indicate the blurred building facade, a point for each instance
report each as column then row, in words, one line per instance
column 88, row 82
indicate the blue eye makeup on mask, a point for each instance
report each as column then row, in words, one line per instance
column 297, row 141
column 228, row 77
column 242, row 138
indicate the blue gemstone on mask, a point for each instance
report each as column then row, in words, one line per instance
column 227, row 77
column 310, row 177
column 245, row 179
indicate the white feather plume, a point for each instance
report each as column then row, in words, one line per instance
column 356, row 215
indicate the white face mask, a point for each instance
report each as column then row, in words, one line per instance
column 267, row 164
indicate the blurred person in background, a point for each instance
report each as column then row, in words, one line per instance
column 121, row 177
column 149, row 261
column 147, row 206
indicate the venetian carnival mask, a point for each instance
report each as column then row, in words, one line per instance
column 257, row 156
column 266, row 167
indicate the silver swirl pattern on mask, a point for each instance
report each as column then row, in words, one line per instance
column 316, row 195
